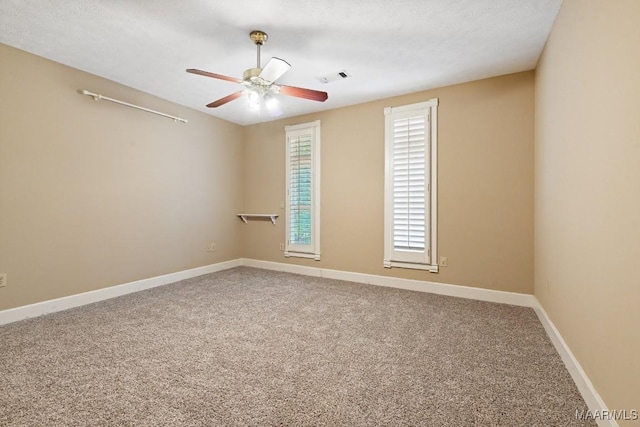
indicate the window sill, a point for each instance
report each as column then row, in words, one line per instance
column 428, row 267
column 288, row 254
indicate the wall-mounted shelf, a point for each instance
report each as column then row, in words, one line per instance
column 247, row 216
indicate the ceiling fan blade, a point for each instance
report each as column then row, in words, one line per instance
column 314, row 95
column 226, row 99
column 274, row 69
column 214, row 75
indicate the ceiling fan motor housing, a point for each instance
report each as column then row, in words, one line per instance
column 251, row 75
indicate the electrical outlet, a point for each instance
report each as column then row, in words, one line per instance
column 3, row 280
column 443, row 261
column 211, row 247
column 282, row 246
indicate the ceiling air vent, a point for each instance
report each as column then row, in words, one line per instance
column 332, row 77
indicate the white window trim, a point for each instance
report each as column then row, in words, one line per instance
column 296, row 250
column 432, row 266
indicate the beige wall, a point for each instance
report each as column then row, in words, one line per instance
column 587, row 209
column 485, row 187
column 93, row 194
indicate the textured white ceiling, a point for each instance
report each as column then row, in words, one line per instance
column 388, row 47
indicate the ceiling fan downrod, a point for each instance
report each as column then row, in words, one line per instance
column 259, row 38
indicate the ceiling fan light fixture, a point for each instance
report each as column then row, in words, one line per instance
column 254, row 99
column 273, row 105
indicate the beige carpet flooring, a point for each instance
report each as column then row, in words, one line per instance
column 249, row 347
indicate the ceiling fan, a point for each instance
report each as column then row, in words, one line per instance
column 260, row 82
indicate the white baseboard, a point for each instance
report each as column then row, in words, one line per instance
column 586, row 388
column 589, row 393
column 64, row 303
column 481, row 294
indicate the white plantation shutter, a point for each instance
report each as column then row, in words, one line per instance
column 303, row 190
column 409, row 183
column 409, row 193
column 300, row 190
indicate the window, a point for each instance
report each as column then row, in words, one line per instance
column 303, row 191
column 410, row 226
